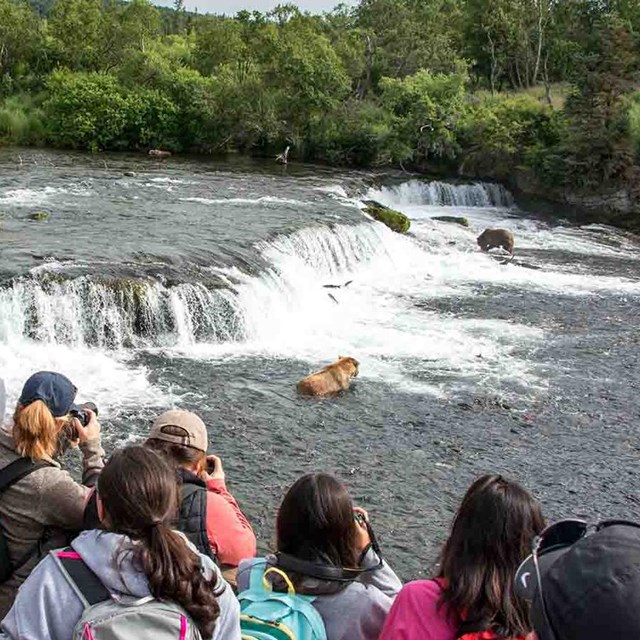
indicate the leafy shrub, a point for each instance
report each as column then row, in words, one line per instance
column 499, row 132
column 426, row 108
column 85, row 110
column 20, row 121
column 357, row 133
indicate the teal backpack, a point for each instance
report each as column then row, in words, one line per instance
column 268, row 615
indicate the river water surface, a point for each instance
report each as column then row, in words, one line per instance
column 201, row 284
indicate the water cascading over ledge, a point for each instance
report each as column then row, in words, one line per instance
column 443, row 194
column 116, row 313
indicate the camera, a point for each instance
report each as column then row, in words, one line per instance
column 359, row 517
column 211, row 465
column 82, row 414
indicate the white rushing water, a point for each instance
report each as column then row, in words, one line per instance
column 383, row 317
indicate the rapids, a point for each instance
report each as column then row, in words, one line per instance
column 202, row 284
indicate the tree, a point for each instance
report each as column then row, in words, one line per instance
column 77, row 30
column 21, row 42
column 598, row 149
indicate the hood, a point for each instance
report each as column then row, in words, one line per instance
column 109, row 556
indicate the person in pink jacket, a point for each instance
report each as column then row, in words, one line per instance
column 473, row 595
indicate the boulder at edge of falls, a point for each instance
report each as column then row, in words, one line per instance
column 395, row 220
column 463, row 222
column 39, row 215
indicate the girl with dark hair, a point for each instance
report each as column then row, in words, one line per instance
column 473, row 596
column 324, row 546
column 139, row 554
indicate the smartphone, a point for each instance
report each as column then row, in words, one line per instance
column 211, row 466
column 359, row 517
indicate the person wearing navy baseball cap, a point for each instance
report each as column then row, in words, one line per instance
column 584, row 583
column 40, row 503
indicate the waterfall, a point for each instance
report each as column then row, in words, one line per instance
column 117, row 313
column 443, row 194
column 126, row 313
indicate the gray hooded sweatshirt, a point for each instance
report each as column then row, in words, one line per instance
column 47, row 607
column 355, row 612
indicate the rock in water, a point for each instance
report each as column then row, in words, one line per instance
column 463, row 222
column 39, row 215
column 159, row 153
column 395, row 220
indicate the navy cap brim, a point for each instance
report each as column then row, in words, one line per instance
column 526, row 582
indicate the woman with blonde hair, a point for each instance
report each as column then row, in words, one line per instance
column 40, row 503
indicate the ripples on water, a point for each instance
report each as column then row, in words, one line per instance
column 201, row 284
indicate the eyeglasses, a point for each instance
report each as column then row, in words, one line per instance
column 560, row 535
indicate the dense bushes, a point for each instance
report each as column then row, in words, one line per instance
column 498, row 133
column 21, row 122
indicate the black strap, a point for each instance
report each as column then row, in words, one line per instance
column 88, row 583
column 18, row 469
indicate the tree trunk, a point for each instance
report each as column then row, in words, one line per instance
column 365, row 83
column 536, row 69
column 494, row 63
column 547, row 85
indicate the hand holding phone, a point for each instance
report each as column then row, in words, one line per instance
column 363, row 539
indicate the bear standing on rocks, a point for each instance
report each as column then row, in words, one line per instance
column 332, row 379
column 493, row 238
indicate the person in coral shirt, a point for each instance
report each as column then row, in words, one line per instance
column 209, row 515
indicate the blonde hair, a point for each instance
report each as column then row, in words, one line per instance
column 35, row 431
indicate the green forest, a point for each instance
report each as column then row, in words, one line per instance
column 540, row 93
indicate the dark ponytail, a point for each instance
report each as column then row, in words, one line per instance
column 139, row 493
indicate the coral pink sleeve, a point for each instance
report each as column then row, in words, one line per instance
column 230, row 535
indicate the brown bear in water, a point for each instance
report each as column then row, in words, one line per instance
column 492, row 238
column 332, row 379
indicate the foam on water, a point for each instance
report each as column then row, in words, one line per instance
column 270, row 200
column 29, row 197
column 105, row 377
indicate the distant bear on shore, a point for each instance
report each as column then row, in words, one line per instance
column 332, row 379
column 493, row 238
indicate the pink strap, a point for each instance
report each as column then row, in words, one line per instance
column 74, row 555
column 87, row 632
column 183, row 627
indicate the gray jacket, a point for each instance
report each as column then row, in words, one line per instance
column 47, row 497
column 356, row 612
column 47, row 607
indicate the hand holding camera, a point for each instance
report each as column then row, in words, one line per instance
column 213, row 469
column 363, row 537
column 85, row 422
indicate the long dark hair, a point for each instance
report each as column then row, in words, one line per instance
column 316, row 523
column 139, row 493
column 490, row 536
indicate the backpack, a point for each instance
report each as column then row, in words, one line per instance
column 9, row 475
column 269, row 615
column 108, row 616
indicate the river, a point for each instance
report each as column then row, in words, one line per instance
column 201, row 284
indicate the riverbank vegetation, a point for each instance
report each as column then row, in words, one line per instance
column 541, row 93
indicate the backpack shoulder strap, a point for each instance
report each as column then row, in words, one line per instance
column 17, row 470
column 78, row 574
